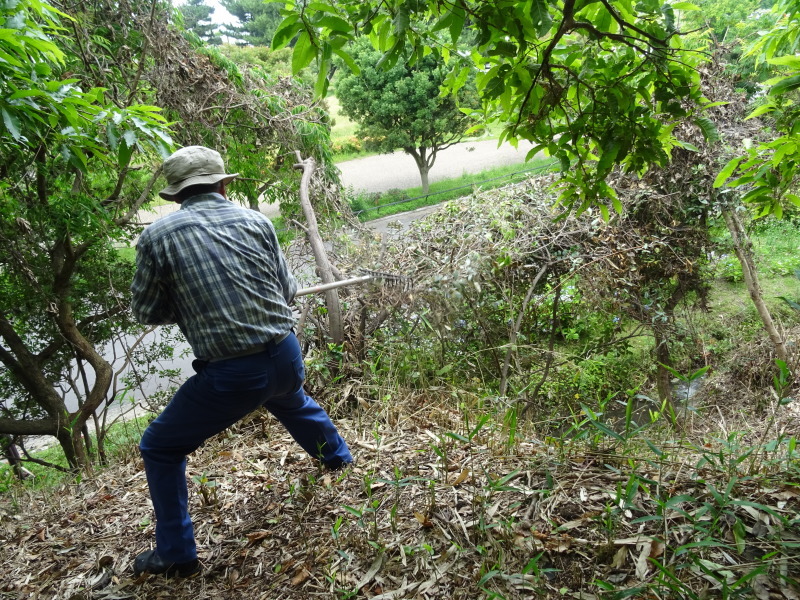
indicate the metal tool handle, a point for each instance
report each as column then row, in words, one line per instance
column 330, row 286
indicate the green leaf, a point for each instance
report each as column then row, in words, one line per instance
column 792, row 62
column 763, row 109
column 12, row 125
column 401, row 21
column 390, row 57
column 503, row 48
column 457, row 24
column 685, row 6
column 125, row 151
column 348, row 60
column 610, row 152
column 785, row 85
column 304, row 52
column 708, row 128
column 286, row 31
column 656, row 451
column 787, row 147
column 540, row 17
column 727, row 171
column 601, row 426
column 334, row 23
column 321, row 86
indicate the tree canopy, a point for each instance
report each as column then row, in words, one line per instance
column 594, row 83
column 402, row 107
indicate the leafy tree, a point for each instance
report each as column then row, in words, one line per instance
column 197, row 19
column 258, row 20
column 594, row 83
column 401, row 107
column 768, row 172
column 61, row 279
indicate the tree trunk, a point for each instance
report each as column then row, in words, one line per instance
column 424, row 163
column 743, row 247
column 14, row 459
column 321, row 256
column 423, row 175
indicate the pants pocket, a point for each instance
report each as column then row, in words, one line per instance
column 228, row 376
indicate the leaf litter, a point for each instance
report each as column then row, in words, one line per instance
column 420, row 515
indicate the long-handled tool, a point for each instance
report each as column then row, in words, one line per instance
column 391, row 278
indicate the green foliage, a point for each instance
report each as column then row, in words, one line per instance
column 71, row 162
column 401, row 107
column 593, row 84
column 767, row 173
column 38, row 107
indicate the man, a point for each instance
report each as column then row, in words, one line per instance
column 217, row 271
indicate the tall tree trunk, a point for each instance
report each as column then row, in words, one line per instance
column 743, row 247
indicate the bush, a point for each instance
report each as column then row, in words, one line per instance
column 348, row 145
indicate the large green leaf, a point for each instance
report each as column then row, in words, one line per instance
column 304, row 53
column 288, row 29
column 785, row 85
column 12, row 124
column 540, row 17
column 727, row 171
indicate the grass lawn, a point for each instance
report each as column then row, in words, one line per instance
column 374, row 206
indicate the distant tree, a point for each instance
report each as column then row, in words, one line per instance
column 197, row 19
column 402, row 107
column 258, row 20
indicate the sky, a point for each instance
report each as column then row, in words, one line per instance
column 220, row 16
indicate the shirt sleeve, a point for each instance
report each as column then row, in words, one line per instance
column 150, row 302
column 286, row 279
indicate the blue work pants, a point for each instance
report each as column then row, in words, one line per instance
column 220, row 394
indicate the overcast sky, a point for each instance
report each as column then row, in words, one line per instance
column 220, row 16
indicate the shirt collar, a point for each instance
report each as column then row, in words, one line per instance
column 212, row 197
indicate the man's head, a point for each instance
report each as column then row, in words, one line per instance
column 192, row 170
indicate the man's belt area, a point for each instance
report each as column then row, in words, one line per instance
column 253, row 350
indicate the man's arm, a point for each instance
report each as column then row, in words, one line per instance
column 150, row 302
column 285, row 278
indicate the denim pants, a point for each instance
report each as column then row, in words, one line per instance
column 219, row 395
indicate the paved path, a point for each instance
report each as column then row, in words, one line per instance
column 398, row 170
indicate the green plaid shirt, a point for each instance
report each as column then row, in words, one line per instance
column 216, row 270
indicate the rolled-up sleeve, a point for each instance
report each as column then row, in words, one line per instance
column 150, row 302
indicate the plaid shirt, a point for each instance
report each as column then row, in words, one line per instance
column 216, row 270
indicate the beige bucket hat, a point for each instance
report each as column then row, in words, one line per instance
column 193, row 165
